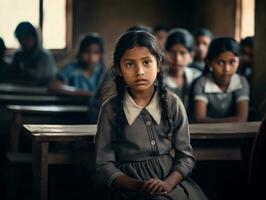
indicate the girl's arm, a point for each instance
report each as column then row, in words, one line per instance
column 58, row 87
column 201, row 113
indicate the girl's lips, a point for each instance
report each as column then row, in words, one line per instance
column 141, row 81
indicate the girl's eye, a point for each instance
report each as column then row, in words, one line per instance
column 232, row 62
column 146, row 62
column 220, row 62
column 129, row 65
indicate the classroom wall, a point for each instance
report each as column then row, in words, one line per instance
column 259, row 78
column 112, row 17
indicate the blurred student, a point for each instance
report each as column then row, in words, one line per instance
column 203, row 39
column 222, row 95
column 179, row 47
column 31, row 63
column 246, row 57
column 160, row 33
column 3, row 64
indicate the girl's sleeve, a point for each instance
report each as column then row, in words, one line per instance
column 105, row 154
column 184, row 160
column 243, row 93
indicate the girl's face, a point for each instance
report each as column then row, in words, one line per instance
column 202, row 44
column 178, row 57
column 91, row 56
column 224, row 67
column 139, row 68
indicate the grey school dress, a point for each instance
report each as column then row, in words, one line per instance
column 143, row 151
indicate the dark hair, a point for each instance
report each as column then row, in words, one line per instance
column 247, row 41
column 2, row 47
column 203, row 32
column 25, row 28
column 140, row 27
column 127, row 41
column 159, row 27
column 179, row 36
column 87, row 40
column 221, row 45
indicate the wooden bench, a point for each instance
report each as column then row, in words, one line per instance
column 8, row 88
column 22, row 114
column 42, row 135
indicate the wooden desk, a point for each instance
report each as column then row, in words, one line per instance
column 42, row 135
column 7, row 88
column 43, row 114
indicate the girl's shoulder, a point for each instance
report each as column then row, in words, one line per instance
column 109, row 104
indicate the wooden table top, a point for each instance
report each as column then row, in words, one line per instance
column 48, row 109
column 8, row 88
column 197, row 131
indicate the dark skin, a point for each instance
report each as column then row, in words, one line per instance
column 224, row 67
column 138, row 63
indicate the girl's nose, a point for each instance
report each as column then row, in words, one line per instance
column 140, row 71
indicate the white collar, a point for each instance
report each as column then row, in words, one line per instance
column 189, row 73
column 132, row 110
column 212, row 87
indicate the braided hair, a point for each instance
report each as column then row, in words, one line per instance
column 127, row 41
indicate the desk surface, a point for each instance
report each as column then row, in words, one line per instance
column 47, row 109
column 7, row 88
column 42, row 100
column 198, row 131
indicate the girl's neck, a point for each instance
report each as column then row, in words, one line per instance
column 142, row 98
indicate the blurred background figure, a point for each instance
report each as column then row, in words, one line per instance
column 246, row 57
column 31, row 63
column 202, row 38
column 160, row 32
column 3, row 64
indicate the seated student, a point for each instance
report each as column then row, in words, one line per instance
column 85, row 72
column 246, row 58
column 143, row 148
column 31, row 63
column 222, row 95
column 203, row 39
column 160, row 32
column 179, row 46
column 3, row 64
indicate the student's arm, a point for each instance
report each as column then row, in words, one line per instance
column 57, row 86
column 201, row 113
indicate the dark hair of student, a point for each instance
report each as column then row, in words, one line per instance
column 218, row 46
column 26, row 29
column 203, row 32
column 2, row 48
column 127, row 41
column 179, row 36
column 247, row 41
column 87, row 40
column 140, row 27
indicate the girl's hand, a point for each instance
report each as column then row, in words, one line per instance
column 156, row 186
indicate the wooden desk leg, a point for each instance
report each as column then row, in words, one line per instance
column 14, row 132
column 40, row 170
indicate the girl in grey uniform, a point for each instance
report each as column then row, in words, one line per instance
column 221, row 95
column 179, row 46
column 143, row 146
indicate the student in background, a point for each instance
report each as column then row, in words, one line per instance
column 179, row 47
column 31, row 64
column 140, row 126
column 203, row 39
column 246, row 57
column 160, row 32
column 222, row 95
column 4, row 67
column 84, row 74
